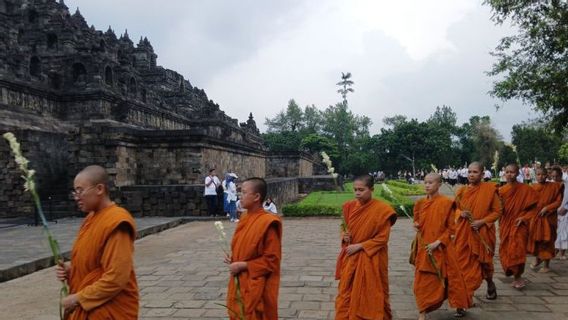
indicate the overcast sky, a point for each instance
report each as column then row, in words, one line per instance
column 406, row 57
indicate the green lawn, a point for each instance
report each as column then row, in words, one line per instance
column 329, row 203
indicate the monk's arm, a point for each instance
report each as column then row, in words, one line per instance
column 495, row 210
column 373, row 245
column 116, row 262
column 269, row 261
column 555, row 204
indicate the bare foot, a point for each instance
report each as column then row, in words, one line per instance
column 544, row 270
column 422, row 316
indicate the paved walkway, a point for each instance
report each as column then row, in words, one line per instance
column 181, row 276
column 25, row 248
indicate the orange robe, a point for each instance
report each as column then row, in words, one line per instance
column 435, row 218
column 363, row 285
column 475, row 261
column 257, row 240
column 102, row 273
column 519, row 202
column 542, row 230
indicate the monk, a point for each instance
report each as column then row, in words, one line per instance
column 542, row 230
column 256, row 254
column 363, row 283
column 519, row 208
column 477, row 209
column 100, row 274
column 434, row 223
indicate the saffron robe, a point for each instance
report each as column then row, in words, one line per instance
column 363, row 286
column 542, row 230
column 102, row 272
column 435, row 219
column 258, row 242
column 519, row 202
column 474, row 258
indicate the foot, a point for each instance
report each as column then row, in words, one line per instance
column 232, row 220
column 459, row 313
column 562, row 258
column 236, row 220
column 536, row 264
column 519, row 284
column 491, row 291
column 544, row 270
column 422, row 316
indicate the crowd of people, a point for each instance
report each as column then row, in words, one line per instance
column 222, row 197
column 453, row 251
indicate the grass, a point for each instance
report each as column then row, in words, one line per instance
column 329, row 203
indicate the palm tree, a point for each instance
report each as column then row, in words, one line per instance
column 345, row 85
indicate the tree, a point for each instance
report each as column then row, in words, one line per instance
column 289, row 120
column 563, row 153
column 345, row 85
column 507, row 155
column 282, row 141
column 533, row 64
column 316, row 143
column 312, row 119
column 535, row 142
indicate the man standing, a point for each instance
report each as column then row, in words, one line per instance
column 210, row 192
column 101, row 274
column 478, row 208
column 542, row 232
column 256, row 254
column 519, row 207
column 434, row 224
column 362, row 266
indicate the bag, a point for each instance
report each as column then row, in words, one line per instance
column 413, row 252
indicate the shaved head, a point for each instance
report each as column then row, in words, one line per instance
column 258, row 186
column 513, row 166
column 477, row 165
column 434, row 177
column 95, row 175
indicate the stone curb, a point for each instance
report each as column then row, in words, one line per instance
column 46, row 262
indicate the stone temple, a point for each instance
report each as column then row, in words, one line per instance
column 76, row 96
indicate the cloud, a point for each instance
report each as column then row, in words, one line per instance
column 406, row 57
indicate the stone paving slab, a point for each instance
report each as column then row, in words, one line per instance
column 181, row 276
column 25, row 248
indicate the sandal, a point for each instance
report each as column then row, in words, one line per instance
column 460, row 313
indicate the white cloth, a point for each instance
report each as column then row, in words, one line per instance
column 270, row 208
column 487, row 174
column 231, row 191
column 211, row 189
column 562, row 228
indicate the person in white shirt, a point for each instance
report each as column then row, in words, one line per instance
column 210, row 192
column 561, row 243
column 502, row 179
column 270, row 206
column 487, row 175
column 232, row 197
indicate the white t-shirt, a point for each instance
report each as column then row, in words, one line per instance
column 211, row 190
column 270, row 208
column 487, row 174
column 231, row 191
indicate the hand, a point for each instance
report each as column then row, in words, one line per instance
column 416, row 226
column 237, row 267
column 519, row 221
column 542, row 212
column 354, row 248
column 62, row 271
column 464, row 214
column 347, row 237
column 562, row 211
column 433, row 246
column 70, row 302
column 477, row 224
